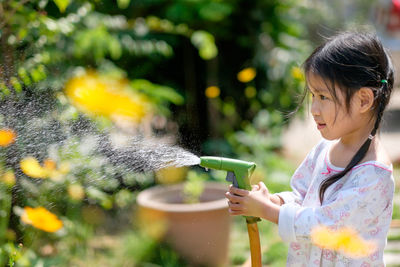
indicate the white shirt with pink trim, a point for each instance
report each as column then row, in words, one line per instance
column 361, row 200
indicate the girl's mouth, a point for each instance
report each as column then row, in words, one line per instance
column 320, row 126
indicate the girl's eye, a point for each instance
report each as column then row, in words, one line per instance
column 323, row 97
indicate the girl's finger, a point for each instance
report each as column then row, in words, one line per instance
column 234, row 206
column 263, row 187
column 232, row 198
column 232, row 212
column 238, row 191
column 255, row 187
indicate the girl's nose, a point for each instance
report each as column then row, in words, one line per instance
column 315, row 111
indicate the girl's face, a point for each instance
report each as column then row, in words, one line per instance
column 333, row 120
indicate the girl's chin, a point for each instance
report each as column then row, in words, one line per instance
column 327, row 137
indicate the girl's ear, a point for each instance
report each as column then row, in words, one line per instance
column 365, row 99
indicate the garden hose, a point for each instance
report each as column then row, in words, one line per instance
column 255, row 248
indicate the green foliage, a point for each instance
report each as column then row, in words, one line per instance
column 145, row 251
column 276, row 254
column 194, row 186
column 161, row 95
column 97, row 43
column 5, row 209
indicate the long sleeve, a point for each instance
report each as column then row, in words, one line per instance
column 302, row 177
column 363, row 201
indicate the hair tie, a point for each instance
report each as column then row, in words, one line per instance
column 370, row 137
column 384, row 81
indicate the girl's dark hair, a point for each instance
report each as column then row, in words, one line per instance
column 350, row 61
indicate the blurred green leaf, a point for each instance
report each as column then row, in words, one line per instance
column 158, row 92
column 215, row 11
column 123, row 3
column 98, row 43
column 194, row 186
column 205, row 43
column 4, row 89
column 23, row 74
column 16, row 84
column 62, row 4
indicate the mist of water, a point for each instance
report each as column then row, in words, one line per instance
column 103, row 161
column 145, row 154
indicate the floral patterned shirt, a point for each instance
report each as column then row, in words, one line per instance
column 362, row 200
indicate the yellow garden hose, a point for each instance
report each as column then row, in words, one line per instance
column 255, row 248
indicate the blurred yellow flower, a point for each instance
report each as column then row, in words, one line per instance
column 32, row 168
column 152, row 222
column 345, row 240
column 246, row 75
column 42, row 219
column 8, row 178
column 297, row 73
column 106, row 96
column 76, row 192
column 7, row 137
column 250, row 91
column 49, row 164
column 212, row 91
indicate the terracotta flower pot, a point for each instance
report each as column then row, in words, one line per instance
column 198, row 232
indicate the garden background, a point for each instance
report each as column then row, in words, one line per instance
column 213, row 77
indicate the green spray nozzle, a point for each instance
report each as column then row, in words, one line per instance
column 239, row 171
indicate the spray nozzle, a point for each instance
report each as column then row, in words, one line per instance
column 239, row 171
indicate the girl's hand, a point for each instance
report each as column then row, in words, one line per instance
column 255, row 203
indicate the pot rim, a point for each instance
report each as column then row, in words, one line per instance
column 145, row 199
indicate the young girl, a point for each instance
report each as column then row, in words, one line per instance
column 346, row 180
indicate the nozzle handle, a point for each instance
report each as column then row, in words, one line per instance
column 231, row 177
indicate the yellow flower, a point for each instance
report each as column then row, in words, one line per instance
column 297, row 73
column 246, row 75
column 345, row 240
column 49, row 164
column 76, row 192
column 8, row 178
column 42, row 219
column 105, row 96
column 7, row 137
column 32, row 168
column 212, row 91
column 53, row 173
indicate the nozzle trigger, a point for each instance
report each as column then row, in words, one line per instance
column 231, row 177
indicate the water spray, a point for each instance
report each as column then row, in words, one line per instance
column 239, row 173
